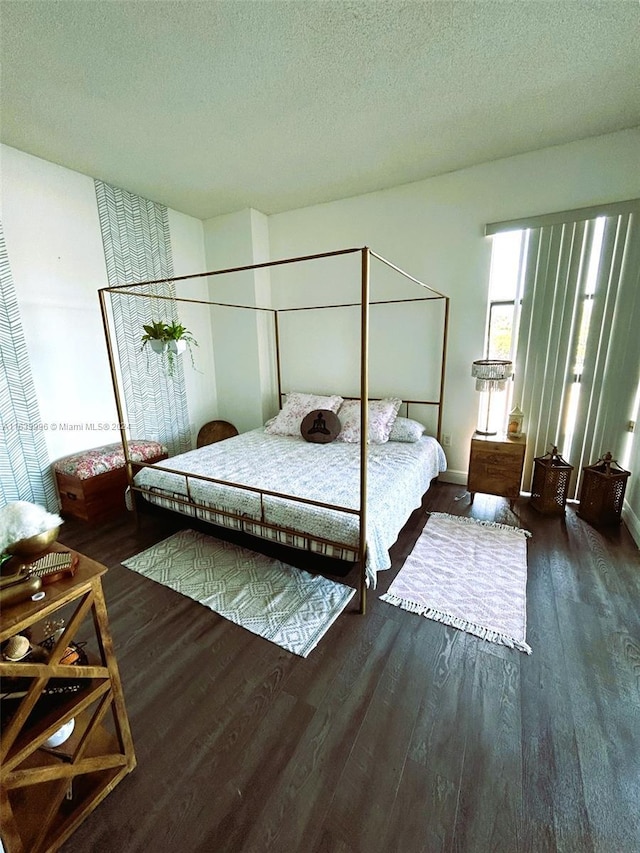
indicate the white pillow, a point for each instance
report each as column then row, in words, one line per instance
column 382, row 415
column 406, row 429
column 296, row 406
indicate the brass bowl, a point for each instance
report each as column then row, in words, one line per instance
column 33, row 545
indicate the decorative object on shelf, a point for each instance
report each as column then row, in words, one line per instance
column 602, row 491
column 20, row 581
column 53, row 630
column 169, row 340
column 27, row 529
column 15, row 591
column 551, row 476
column 54, row 566
column 514, row 422
column 490, row 375
column 61, row 735
column 17, row 648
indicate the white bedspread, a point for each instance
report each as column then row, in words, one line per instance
column 399, row 474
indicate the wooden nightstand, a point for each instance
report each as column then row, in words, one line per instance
column 495, row 466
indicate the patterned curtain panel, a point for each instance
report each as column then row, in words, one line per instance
column 25, row 471
column 137, row 247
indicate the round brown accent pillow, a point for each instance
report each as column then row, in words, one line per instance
column 320, row 426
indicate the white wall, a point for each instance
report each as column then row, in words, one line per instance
column 631, row 509
column 241, row 338
column 433, row 229
column 54, row 244
column 265, row 325
column 187, row 246
column 52, row 233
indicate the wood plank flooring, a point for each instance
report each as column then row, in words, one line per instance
column 397, row 733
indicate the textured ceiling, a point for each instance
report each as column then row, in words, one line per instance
column 211, row 107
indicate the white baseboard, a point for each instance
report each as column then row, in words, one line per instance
column 459, row 478
column 632, row 521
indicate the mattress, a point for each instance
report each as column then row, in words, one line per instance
column 277, row 471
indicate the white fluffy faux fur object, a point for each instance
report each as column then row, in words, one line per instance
column 21, row 519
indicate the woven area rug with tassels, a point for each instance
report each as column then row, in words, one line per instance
column 469, row 574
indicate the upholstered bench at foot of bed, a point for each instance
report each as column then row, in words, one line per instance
column 92, row 483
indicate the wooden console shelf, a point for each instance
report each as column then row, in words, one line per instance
column 46, row 792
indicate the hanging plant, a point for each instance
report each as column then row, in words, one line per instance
column 155, row 336
column 168, row 340
column 178, row 339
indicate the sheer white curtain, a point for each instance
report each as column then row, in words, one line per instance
column 577, row 364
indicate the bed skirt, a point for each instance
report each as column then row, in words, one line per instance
column 254, row 527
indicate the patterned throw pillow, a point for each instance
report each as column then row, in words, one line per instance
column 382, row 415
column 296, row 406
column 406, row 429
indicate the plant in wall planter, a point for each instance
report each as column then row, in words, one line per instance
column 168, row 340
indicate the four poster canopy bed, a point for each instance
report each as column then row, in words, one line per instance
column 345, row 484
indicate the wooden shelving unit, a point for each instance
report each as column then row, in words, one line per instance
column 45, row 793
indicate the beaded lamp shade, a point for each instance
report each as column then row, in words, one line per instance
column 490, row 375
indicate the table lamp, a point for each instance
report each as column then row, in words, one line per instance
column 490, row 375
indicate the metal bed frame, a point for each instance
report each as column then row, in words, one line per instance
column 365, row 279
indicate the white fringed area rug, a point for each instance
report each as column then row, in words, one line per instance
column 470, row 574
column 281, row 603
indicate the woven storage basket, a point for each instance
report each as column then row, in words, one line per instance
column 602, row 492
column 551, row 476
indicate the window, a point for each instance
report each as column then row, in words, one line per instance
column 564, row 306
column 505, row 296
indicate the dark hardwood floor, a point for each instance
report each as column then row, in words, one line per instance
column 397, row 733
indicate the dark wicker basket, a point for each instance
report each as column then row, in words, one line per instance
column 602, row 492
column 551, row 476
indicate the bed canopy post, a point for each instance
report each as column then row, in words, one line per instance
column 116, row 391
column 443, row 366
column 276, row 331
column 364, row 421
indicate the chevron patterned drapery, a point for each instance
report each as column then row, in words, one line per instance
column 25, row 471
column 137, row 247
